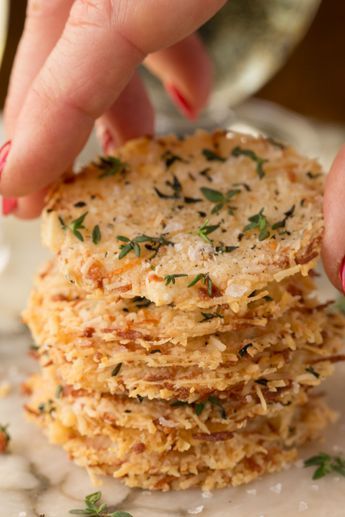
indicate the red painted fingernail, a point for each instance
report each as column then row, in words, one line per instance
column 181, row 102
column 9, row 205
column 342, row 274
column 108, row 143
column 4, row 152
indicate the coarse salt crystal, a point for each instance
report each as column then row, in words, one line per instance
column 196, row 510
column 276, row 488
column 166, row 423
column 302, row 506
column 251, row 491
column 216, row 343
column 236, row 290
column 207, row 494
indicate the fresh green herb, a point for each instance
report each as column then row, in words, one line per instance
column 140, row 398
column 94, row 508
column 268, row 298
column 311, row 370
column 205, row 279
column 96, row 235
column 244, row 350
column 218, row 198
column 5, row 438
column 141, row 301
column 110, row 166
column 313, row 175
column 116, row 370
column 199, row 408
column 171, row 279
column 179, row 403
column 62, row 223
column 154, row 244
column 258, row 221
column 216, row 402
column 170, row 158
column 77, row 225
column 225, row 249
column 79, row 204
column 206, row 229
column 281, row 224
column 176, row 188
column 207, row 316
column 58, row 391
column 212, row 156
column 326, row 464
column 239, row 151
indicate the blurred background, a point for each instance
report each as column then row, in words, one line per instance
column 279, row 70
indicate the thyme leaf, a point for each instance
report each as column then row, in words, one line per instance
column 225, row 249
column 326, row 464
column 205, row 279
column 110, row 166
column 258, row 221
column 212, row 156
column 94, row 508
column 116, row 370
column 170, row 158
column 218, row 198
column 239, row 151
column 141, row 301
column 312, row 370
column 153, row 244
column 171, row 279
column 205, row 229
column 207, row 316
column 96, row 235
column 281, row 224
column 174, row 185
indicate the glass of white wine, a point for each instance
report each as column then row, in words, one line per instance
column 248, row 41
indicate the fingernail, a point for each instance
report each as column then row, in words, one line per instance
column 342, row 274
column 177, row 97
column 4, row 152
column 9, row 205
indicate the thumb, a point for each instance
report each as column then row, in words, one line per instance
column 333, row 252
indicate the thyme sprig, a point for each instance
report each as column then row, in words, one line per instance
column 171, row 279
column 219, row 199
column 239, row 151
column 110, row 166
column 75, row 226
column 175, row 187
column 152, row 243
column 205, row 229
column 94, row 508
column 326, row 464
column 205, row 279
column 258, row 221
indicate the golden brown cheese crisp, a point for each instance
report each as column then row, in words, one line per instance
column 194, row 222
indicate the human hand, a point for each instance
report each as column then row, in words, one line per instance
column 76, row 65
column 333, row 252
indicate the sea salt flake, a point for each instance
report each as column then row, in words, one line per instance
column 302, row 506
column 276, row 488
column 196, row 510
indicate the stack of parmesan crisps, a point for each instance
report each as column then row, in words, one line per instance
column 177, row 327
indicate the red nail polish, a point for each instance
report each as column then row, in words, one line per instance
column 342, row 274
column 9, row 205
column 108, row 144
column 4, row 152
column 181, row 102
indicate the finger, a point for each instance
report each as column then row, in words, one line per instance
column 43, row 26
column 29, row 207
column 334, row 211
column 76, row 85
column 185, row 68
column 130, row 116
